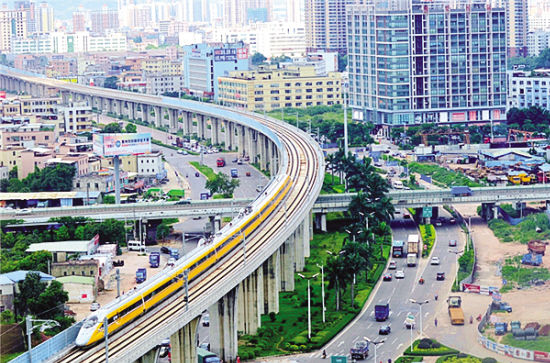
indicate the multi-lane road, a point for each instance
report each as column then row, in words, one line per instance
column 397, row 293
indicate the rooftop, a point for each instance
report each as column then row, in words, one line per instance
column 20, row 275
column 84, row 280
column 64, row 246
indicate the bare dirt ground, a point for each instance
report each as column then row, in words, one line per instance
column 132, row 260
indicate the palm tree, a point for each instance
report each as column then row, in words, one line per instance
column 336, row 272
column 331, row 161
column 364, row 250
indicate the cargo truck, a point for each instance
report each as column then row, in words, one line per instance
column 413, row 244
column 154, row 259
column 360, row 350
column 455, row 310
column 461, row 191
column 141, row 275
column 382, row 312
column 397, row 249
column 411, row 260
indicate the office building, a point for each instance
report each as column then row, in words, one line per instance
column 29, row 7
column 13, row 24
column 434, row 62
column 203, row 64
column 79, row 21
column 325, row 22
column 273, row 88
column 528, row 89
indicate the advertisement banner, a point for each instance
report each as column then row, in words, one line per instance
column 521, row 353
column 458, row 116
column 122, row 144
column 93, row 245
column 2, row 94
column 541, row 356
column 471, row 288
column 484, row 290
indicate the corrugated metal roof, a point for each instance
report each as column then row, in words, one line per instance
column 47, row 195
column 64, row 246
column 85, row 280
column 20, row 275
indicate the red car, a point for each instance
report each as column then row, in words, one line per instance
column 387, row 277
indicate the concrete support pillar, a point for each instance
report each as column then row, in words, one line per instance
column 229, row 135
column 271, row 157
column 223, row 326
column 172, row 119
column 300, row 260
column 287, row 253
column 489, row 211
column 262, row 153
column 253, row 149
column 435, row 212
column 321, row 221
column 215, row 130
column 118, row 107
column 185, row 123
column 184, row 343
column 149, row 357
column 65, row 98
column 548, row 207
column 249, row 302
column 201, row 126
column 158, row 115
column 242, row 146
column 132, row 107
column 272, row 276
column 306, row 236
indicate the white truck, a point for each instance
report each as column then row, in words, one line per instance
column 411, row 260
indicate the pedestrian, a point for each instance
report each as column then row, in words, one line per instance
column 435, row 322
column 389, row 360
column 238, row 359
column 324, row 354
column 435, row 297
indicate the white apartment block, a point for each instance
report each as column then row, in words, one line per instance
column 525, row 90
column 151, row 165
column 157, row 85
column 537, row 41
column 79, row 42
column 13, row 24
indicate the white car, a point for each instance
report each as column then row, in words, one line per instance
column 95, row 306
column 393, row 265
column 434, row 261
column 171, row 261
column 399, row 274
column 23, row 211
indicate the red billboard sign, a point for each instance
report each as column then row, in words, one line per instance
column 471, row 288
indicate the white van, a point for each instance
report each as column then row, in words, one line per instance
column 397, row 184
column 136, row 246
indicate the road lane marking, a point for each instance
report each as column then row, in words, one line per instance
column 393, row 341
column 400, row 345
column 342, row 342
column 427, row 313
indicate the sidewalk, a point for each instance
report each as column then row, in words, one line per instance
column 175, row 182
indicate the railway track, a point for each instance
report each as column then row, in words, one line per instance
column 303, row 168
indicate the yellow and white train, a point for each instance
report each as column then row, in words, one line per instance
column 131, row 305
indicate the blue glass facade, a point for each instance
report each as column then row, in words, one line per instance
column 427, row 63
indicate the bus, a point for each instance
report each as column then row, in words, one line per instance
column 205, row 356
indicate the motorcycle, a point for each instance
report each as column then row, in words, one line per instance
column 421, row 281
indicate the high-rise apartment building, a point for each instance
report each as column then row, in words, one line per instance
column 79, row 21
column 104, row 19
column 295, row 11
column 518, row 25
column 539, row 15
column 13, row 24
column 326, row 24
column 241, row 12
column 427, row 62
column 44, row 18
column 30, row 8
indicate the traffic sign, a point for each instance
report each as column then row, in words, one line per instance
column 338, row 359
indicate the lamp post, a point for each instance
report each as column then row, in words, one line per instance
column 352, row 234
column 419, row 303
column 375, row 346
column 308, row 303
column 344, row 87
column 322, row 289
column 456, row 262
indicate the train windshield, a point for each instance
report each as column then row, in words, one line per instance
column 90, row 322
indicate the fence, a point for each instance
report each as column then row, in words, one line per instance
column 507, row 350
column 50, row 347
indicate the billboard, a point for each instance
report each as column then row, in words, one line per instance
column 122, row 144
column 230, row 54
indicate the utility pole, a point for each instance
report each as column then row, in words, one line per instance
column 345, row 120
column 322, row 289
column 117, row 277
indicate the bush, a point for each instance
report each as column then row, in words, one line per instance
column 425, row 343
column 272, row 316
column 7, row 317
column 489, row 360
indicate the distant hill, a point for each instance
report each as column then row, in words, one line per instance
column 64, row 9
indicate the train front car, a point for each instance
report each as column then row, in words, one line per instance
column 91, row 330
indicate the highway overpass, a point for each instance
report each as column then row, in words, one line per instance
column 324, row 204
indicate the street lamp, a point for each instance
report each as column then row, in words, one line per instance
column 456, row 262
column 351, row 233
column 322, row 289
column 419, row 303
column 375, row 346
column 308, row 303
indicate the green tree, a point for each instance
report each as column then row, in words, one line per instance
column 13, row 172
column 280, row 59
column 62, row 234
column 111, row 82
column 257, row 58
column 29, row 290
column 337, row 275
column 111, row 230
column 223, row 184
column 112, row 128
column 37, row 261
column 163, row 230
column 342, row 62
column 50, row 302
column 130, row 128
column 109, row 199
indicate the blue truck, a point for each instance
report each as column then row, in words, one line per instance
column 382, row 312
column 154, row 259
column 141, row 275
column 501, row 328
column 234, row 173
column 398, row 249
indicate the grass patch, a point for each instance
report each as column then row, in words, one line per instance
column 178, row 193
column 427, row 231
column 516, row 274
column 4, row 358
column 442, row 176
column 264, row 172
column 207, row 171
column 332, row 184
column 435, row 348
column 409, row 359
column 286, row 332
column 458, row 358
column 523, row 232
column 512, row 212
column 541, row 343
